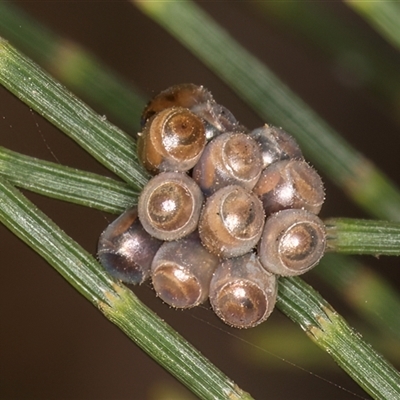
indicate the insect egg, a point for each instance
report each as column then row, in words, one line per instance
column 292, row 243
column 231, row 222
column 229, row 159
column 290, row 184
column 170, row 205
column 172, row 140
column 242, row 293
column 126, row 250
column 181, row 272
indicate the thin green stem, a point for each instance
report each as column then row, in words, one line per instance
column 76, row 265
column 277, row 104
column 78, row 69
column 104, row 141
column 330, row 331
column 383, row 15
column 358, row 236
column 64, row 183
column 368, row 63
column 364, row 290
column 170, row 350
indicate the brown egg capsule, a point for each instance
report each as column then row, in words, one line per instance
column 292, row 243
column 170, row 205
column 186, row 95
column 181, row 272
column 229, row 159
column 290, row 184
column 172, row 140
column 275, row 144
column 242, row 293
column 126, row 250
column 231, row 222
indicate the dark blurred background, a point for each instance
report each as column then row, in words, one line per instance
column 54, row 344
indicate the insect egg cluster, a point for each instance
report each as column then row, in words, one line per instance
column 227, row 211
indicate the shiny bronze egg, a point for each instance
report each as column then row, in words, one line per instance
column 229, row 159
column 181, row 272
column 170, row 205
column 231, row 222
column 290, row 184
column 293, row 242
column 172, row 140
column 242, row 292
column 126, row 250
